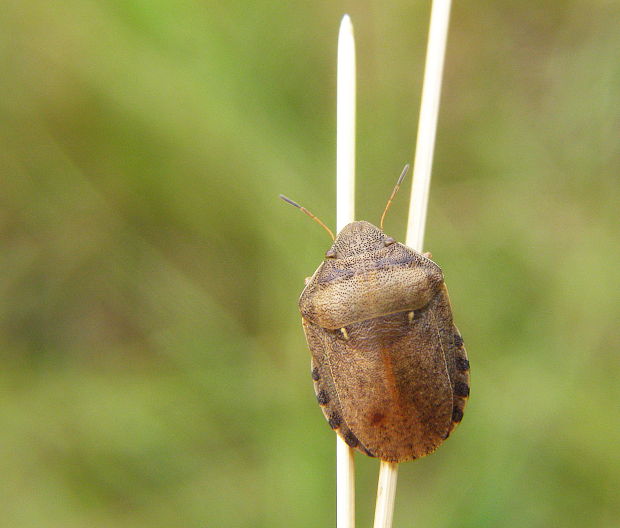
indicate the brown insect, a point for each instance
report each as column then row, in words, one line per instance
column 390, row 371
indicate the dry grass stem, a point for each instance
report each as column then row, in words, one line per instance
column 427, row 128
column 427, row 125
column 345, row 213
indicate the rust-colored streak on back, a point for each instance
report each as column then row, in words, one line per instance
column 390, row 377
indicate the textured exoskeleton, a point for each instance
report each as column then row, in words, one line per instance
column 389, row 367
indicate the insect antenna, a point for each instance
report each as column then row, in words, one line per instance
column 396, row 187
column 315, row 218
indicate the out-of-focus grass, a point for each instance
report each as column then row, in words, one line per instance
column 154, row 372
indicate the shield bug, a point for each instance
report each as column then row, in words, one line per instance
column 390, row 371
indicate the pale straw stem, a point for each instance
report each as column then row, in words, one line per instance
column 345, row 126
column 427, row 125
column 345, row 213
column 386, row 493
column 427, row 128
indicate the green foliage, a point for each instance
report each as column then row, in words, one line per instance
column 154, row 371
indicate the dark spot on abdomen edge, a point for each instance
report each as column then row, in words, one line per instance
column 322, row 397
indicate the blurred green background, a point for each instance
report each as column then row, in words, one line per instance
column 154, row 371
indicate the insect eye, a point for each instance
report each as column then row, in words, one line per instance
column 388, row 241
column 331, row 253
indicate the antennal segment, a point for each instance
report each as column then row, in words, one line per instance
column 396, row 187
column 315, row 218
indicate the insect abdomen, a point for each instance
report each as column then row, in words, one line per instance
column 386, row 382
